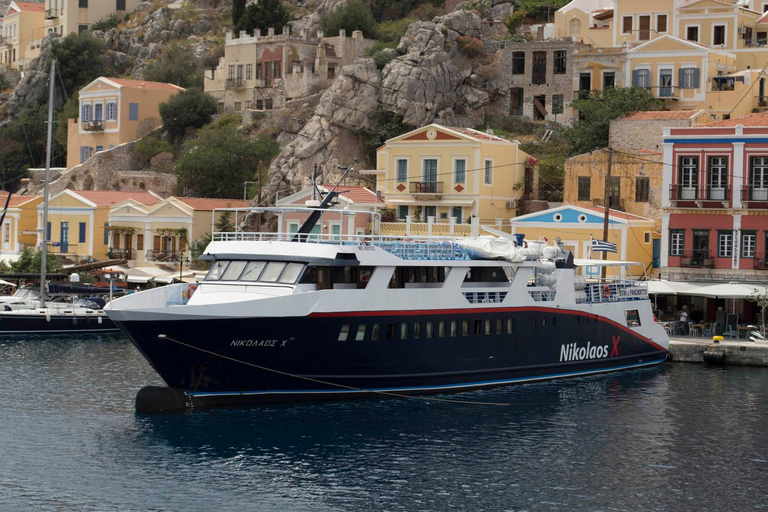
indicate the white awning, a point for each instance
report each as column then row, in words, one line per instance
column 709, row 290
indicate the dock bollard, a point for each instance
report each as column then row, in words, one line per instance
column 717, row 339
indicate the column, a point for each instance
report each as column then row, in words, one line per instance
column 739, row 173
column 664, row 240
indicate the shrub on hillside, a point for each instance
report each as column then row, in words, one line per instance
column 354, row 15
column 187, row 109
column 177, row 65
column 469, row 46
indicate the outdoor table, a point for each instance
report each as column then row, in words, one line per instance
column 699, row 328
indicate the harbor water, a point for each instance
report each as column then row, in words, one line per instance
column 675, row 437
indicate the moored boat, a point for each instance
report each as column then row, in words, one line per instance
column 353, row 316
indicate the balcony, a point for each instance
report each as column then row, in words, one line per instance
column 666, row 92
column 121, row 254
column 234, row 83
column 754, row 196
column 700, row 194
column 166, row 256
column 52, row 14
column 425, row 187
column 696, row 258
column 93, row 126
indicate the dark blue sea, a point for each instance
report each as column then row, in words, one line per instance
column 676, row 437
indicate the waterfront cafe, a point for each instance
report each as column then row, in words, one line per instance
column 711, row 308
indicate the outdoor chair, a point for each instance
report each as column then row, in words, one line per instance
column 711, row 331
column 731, row 332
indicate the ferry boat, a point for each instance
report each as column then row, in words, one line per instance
column 349, row 316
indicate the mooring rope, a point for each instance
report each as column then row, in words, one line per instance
column 318, row 381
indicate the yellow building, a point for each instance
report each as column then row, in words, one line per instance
column 78, row 220
column 66, row 16
column 18, row 229
column 576, row 226
column 114, row 111
column 154, row 234
column 22, row 31
column 436, row 175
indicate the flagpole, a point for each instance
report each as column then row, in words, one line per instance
column 606, row 205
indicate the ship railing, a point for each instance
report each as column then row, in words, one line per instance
column 616, row 291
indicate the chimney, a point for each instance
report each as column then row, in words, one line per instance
column 270, row 31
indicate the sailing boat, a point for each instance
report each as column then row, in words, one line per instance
column 50, row 317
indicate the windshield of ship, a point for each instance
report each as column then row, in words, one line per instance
column 255, row 271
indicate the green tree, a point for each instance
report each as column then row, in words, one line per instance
column 225, row 224
column 353, row 15
column 4, row 82
column 71, row 110
column 385, row 125
column 177, row 65
column 596, row 112
column 79, row 60
column 397, row 9
column 220, row 159
column 30, row 261
column 238, row 9
column 186, row 109
column 264, row 14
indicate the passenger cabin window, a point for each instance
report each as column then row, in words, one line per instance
column 216, row 271
column 233, row 271
column 633, row 318
column 488, row 275
column 252, row 271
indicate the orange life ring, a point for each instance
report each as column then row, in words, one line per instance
column 606, row 291
column 190, row 290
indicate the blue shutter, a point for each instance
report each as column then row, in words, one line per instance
column 81, row 239
column 696, row 74
column 681, row 78
column 133, row 111
column 48, row 232
column 635, row 77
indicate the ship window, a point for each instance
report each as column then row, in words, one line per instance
column 465, row 328
column 416, row 330
column 253, row 270
column 510, row 326
column 233, row 271
column 344, row 333
column 272, row 272
column 543, row 322
column 633, row 318
column 376, row 332
column 441, row 329
column 533, row 321
column 499, row 326
column 291, row 273
column 390, row 331
column 216, row 270
column 487, row 327
column 429, row 329
column 477, row 327
column 488, row 275
column 360, row 336
column 454, row 329
column 404, row 331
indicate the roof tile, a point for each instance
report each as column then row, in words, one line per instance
column 203, row 203
column 759, row 119
column 111, row 197
column 660, row 115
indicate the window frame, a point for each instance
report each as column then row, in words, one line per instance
column 642, row 192
column 559, row 62
column 724, row 243
column 677, row 242
column 744, row 244
column 584, row 184
column 518, row 63
column 624, row 20
column 401, row 177
column 487, row 171
column 539, row 67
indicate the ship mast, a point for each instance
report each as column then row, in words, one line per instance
column 43, row 260
column 311, row 221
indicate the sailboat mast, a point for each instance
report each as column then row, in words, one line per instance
column 43, row 261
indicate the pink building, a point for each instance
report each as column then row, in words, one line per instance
column 715, row 220
column 338, row 220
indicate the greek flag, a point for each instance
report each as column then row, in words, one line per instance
column 602, row 246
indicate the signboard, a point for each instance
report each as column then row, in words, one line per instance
column 633, row 292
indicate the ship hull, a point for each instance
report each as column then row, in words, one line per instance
column 226, row 361
column 39, row 323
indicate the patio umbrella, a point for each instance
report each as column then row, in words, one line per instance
column 728, row 291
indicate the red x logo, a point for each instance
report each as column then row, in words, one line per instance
column 615, row 351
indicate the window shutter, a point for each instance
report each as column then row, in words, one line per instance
column 696, row 78
column 157, row 242
column 635, row 75
column 681, row 78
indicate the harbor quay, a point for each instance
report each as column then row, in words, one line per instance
column 742, row 352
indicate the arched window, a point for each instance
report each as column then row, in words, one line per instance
column 574, row 27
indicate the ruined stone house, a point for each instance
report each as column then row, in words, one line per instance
column 263, row 72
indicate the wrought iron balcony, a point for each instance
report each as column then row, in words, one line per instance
column 425, row 187
column 52, row 14
column 160, row 255
column 699, row 193
column 753, row 194
column 121, row 254
column 93, row 126
column 234, row 83
column 696, row 258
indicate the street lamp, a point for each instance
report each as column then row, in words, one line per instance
column 181, row 263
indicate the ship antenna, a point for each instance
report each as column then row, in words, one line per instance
column 309, row 224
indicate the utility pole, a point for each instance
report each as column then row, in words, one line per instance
column 607, row 204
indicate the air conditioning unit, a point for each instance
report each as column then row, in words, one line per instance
column 511, row 205
column 742, row 30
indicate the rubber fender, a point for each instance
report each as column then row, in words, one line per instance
column 715, row 357
column 151, row 399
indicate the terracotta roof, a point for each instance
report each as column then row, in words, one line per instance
column 146, row 84
column 31, row 6
column 476, row 134
column 16, row 200
column 110, row 197
column 660, row 115
column 203, row 203
column 356, row 194
column 759, row 119
column 616, row 213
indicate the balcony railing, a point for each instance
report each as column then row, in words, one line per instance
column 754, row 194
column 93, row 126
column 52, row 14
column 160, row 255
column 699, row 193
column 234, row 83
column 426, row 187
column 696, row 258
column 121, row 254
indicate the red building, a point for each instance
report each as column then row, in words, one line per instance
column 715, row 220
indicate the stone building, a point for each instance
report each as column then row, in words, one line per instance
column 263, row 72
column 646, row 129
column 541, row 78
